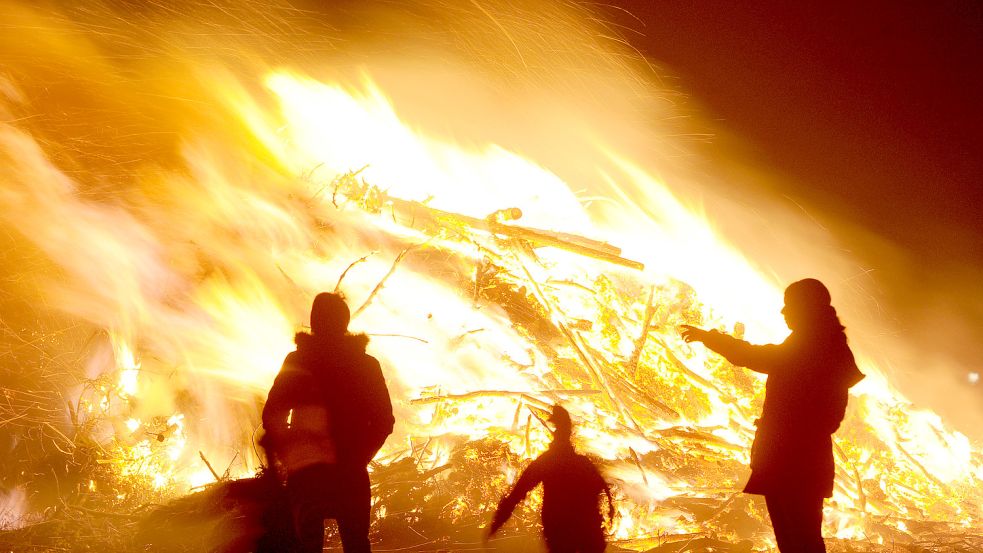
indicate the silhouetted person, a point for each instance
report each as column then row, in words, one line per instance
column 805, row 401
column 572, row 486
column 326, row 416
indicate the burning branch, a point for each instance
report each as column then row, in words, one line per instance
column 644, row 333
column 209, row 465
column 349, row 267
column 418, row 214
column 378, row 287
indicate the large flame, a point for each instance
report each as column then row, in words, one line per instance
column 194, row 274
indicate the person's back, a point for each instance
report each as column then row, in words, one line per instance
column 572, row 488
column 355, row 394
column 297, row 421
column 327, row 415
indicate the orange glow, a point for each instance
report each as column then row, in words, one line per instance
column 200, row 274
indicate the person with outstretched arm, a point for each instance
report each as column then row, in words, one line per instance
column 572, row 488
column 806, row 393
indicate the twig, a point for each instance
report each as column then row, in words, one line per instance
column 856, row 477
column 636, row 354
column 398, row 336
column 424, row 450
column 528, row 428
column 12, row 419
column 338, row 182
column 228, row 469
column 292, row 282
column 515, row 416
column 352, row 264
column 651, row 402
column 378, row 287
column 209, row 465
column 309, row 174
column 69, row 441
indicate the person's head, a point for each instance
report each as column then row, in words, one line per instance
column 808, row 305
column 560, row 418
column 329, row 315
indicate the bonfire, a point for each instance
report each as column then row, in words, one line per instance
column 147, row 320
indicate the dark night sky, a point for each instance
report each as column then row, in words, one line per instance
column 875, row 107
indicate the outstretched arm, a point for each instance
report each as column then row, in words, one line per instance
column 530, row 478
column 757, row 358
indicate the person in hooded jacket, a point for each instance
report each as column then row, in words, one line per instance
column 326, row 416
column 806, row 393
column 572, row 486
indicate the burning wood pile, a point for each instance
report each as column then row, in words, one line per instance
column 163, row 233
column 669, row 427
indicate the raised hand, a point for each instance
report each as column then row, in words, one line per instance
column 692, row 334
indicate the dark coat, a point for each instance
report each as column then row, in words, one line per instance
column 572, row 487
column 341, row 377
column 806, row 393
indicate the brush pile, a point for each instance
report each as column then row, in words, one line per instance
column 669, row 429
